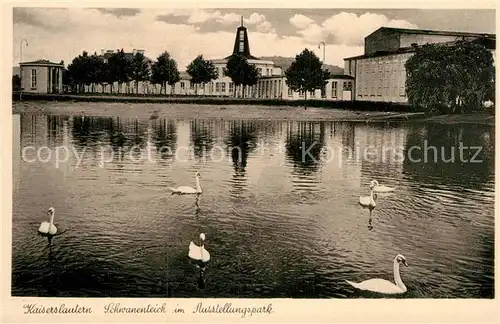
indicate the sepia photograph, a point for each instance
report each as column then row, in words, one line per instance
column 253, row 153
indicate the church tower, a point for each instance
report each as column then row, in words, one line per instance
column 241, row 45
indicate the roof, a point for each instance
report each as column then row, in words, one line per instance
column 278, row 76
column 488, row 43
column 42, row 63
column 341, row 76
column 249, row 57
column 382, row 53
column 432, row 32
column 184, row 75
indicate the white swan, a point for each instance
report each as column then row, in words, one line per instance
column 48, row 227
column 189, row 190
column 199, row 253
column 368, row 201
column 385, row 286
column 381, row 188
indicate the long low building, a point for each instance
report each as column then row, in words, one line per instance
column 380, row 72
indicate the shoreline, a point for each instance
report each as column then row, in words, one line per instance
column 222, row 108
column 211, row 100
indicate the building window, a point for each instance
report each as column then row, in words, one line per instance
column 301, row 93
column 33, row 79
column 217, row 87
column 242, row 46
column 334, row 89
column 231, row 87
column 402, row 90
column 260, row 71
column 223, row 85
column 242, row 35
column 347, row 85
column 312, row 94
column 191, row 85
column 267, row 70
column 221, row 72
column 290, row 92
column 182, row 85
column 350, row 67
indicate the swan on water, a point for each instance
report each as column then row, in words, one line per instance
column 382, row 285
column 381, row 188
column 48, row 227
column 187, row 189
column 368, row 201
column 199, row 253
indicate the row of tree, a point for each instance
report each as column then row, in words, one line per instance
column 119, row 68
column 304, row 74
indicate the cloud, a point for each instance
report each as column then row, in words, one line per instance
column 120, row 12
column 265, row 27
column 345, row 28
column 199, row 16
column 55, row 36
column 255, row 19
column 302, row 22
column 33, row 17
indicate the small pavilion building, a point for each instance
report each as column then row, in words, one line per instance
column 41, row 76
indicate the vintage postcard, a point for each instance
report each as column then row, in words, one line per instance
column 248, row 162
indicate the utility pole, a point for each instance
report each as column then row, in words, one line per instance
column 20, row 68
column 323, row 91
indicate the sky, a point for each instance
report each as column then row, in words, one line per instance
column 59, row 34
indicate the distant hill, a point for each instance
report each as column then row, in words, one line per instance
column 285, row 62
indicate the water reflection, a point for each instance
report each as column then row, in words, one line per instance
column 304, row 143
column 241, row 139
column 165, row 137
column 434, row 155
column 16, row 151
column 201, row 133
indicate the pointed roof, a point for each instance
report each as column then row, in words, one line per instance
column 241, row 43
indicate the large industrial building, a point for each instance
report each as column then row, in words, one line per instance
column 380, row 73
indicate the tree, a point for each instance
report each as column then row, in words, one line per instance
column 118, row 68
column 66, row 79
column 95, row 70
column 164, row 71
column 140, row 69
column 305, row 73
column 78, row 71
column 201, row 71
column 238, row 69
column 444, row 78
column 16, row 83
column 250, row 77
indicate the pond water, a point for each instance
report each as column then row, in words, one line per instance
column 279, row 207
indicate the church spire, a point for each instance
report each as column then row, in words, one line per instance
column 241, row 46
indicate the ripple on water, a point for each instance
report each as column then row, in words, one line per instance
column 276, row 226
